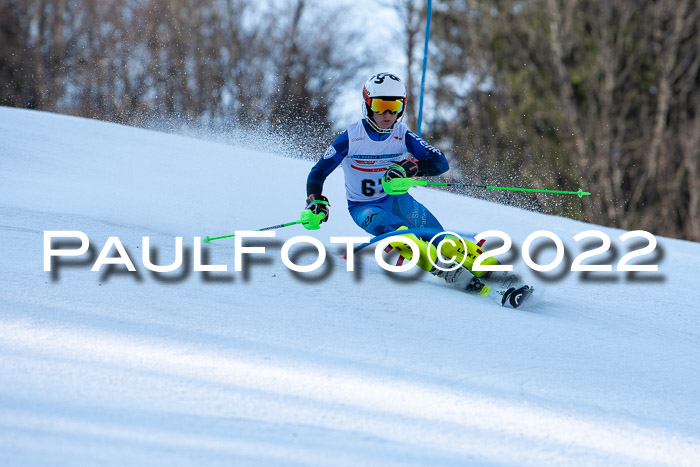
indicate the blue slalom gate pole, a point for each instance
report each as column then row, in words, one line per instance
column 425, row 66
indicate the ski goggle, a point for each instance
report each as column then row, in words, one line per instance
column 380, row 105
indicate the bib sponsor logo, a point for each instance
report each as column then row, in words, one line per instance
column 364, row 169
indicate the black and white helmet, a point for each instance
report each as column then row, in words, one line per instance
column 384, row 87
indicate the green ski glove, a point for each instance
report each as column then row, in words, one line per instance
column 316, row 212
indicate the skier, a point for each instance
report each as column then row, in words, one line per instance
column 376, row 147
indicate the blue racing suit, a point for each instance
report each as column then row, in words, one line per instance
column 366, row 155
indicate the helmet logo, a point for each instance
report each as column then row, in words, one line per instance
column 379, row 79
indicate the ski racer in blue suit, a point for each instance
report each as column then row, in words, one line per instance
column 376, row 147
column 369, row 149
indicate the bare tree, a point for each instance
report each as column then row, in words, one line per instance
column 193, row 62
column 581, row 93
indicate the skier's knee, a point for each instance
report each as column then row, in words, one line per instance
column 427, row 251
column 465, row 252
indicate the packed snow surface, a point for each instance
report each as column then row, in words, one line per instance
column 269, row 366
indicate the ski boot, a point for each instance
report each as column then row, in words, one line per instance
column 475, row 285
column 455, row 276
column 463, row 279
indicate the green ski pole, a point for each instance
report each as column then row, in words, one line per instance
column 310, row 220
column 399, row 186
column 208, row 239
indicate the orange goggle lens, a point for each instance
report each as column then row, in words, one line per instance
column 380, row 106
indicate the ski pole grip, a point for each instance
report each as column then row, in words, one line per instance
column 311, row 221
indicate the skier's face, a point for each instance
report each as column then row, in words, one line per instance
column 384, row 120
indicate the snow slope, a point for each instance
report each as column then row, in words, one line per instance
column 267, row 366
